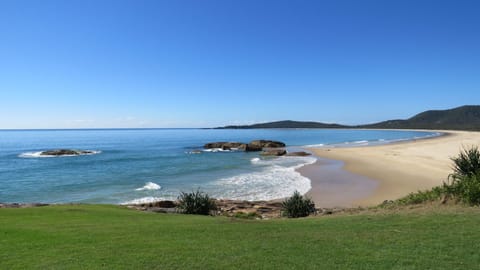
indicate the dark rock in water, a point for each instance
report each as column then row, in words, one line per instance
column 298, row 154
column 223, row 145
column 274, row 152
column 66, row 152
column 258, row 145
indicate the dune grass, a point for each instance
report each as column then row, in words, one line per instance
column 112, row 237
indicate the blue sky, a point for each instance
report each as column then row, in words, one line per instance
column 94, row 64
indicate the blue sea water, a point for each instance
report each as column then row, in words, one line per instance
column 141, row 165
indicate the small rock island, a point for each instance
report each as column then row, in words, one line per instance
column 66, row 152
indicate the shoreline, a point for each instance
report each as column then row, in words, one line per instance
column 397, row 168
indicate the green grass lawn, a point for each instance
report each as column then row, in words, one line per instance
column 111, row 237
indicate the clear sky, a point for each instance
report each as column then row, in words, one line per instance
column 174, row 63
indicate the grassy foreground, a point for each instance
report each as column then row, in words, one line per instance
column 112, row 237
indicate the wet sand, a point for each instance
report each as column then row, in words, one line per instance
column 395, row 169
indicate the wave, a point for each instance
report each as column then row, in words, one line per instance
column 278, row 179
column 39, row 154
column 315, row 145
column 215, row 150
column 255, row 160
column 149, row 186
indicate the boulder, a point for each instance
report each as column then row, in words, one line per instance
column 66, row 152
column 258, row 145
column 298, row 154
column 273, row 152
column 223, row 145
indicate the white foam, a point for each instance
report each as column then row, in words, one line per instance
column 214, row 150
column 278, row 179
column 143, row 200
column 255, row 160
column 315, row 145
column 149, row 186
column 39, row 154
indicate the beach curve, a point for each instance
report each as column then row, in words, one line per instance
column 398, row 168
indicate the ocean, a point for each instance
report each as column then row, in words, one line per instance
column 143, row 165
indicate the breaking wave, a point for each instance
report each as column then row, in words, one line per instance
column 149, row 186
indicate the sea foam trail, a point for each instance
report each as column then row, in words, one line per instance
column 278, row 179
column 39, row 154
column 149, row 186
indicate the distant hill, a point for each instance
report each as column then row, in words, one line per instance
column 287, row 124
column 461, row 118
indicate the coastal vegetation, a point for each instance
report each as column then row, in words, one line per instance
column 196, row 203
column 460, row 118
column 297, row 206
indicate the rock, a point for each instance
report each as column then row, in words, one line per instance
column 274, row 152
column 223, row 145
column 166, row 204
column 66, row 152
column 298, row 154
column 263, row 209
column 256, row 145
column 260, row 144
column 161, row 204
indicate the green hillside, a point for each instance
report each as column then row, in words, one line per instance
column 461, row 118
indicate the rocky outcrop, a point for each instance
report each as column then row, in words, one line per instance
column 66, row 152
column 240, row 208
column 298, row 154
column 256, row 145
column 273, row 152
column 260, row 144
column 224, row 145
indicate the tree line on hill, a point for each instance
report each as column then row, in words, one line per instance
column 460, row 118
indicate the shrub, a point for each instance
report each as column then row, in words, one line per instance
column 419, row 197
column 467, row 163
column 465, row 179
column 196, row 203
column 244, row 215
column 466, row 188
column 298, row 206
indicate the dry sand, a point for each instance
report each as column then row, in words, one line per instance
column 374, row 174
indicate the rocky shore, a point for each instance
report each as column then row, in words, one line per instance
column 229, row 208
column 234, row 208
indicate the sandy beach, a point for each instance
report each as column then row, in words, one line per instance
column 373, row 174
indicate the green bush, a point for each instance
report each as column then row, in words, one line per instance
column 465, row 179
column 419, row 197
column 467, row 163
column 297, row 206
column 244, row 215
column 196, row 203
column 466, row 188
